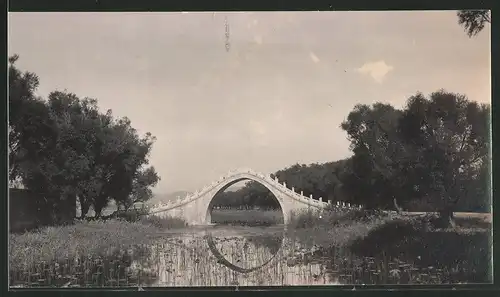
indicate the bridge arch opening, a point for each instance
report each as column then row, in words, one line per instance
column 245, row 201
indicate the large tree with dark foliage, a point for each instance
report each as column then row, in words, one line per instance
column 32, row 135
column 374, row 178
column 436, row 149
column 430, row 156
column 66, row 149
column 452, row 134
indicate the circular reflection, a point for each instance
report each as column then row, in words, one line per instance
column 245, row 253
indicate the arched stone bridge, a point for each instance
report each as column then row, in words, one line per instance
column 196, row 208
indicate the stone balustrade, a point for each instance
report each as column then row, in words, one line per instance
column 291, row 192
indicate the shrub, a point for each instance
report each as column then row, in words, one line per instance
column 333, row 217
column 130, row 215
column 414, row 240
column 305, row 219
column 163, row 223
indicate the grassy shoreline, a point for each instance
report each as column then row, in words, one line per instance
column 96, row 238
column 367, row 234
column 343, row 229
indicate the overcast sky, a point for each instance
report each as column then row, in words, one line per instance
column 275, row 99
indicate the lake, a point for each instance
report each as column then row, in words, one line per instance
column 231, row 256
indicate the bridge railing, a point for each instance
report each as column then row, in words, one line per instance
column 269, row 178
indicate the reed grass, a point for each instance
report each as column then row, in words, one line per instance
column 100, row 238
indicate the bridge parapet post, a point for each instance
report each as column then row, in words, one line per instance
column 284, row 184
column 301, row 193
column 293, row 189
column 311, row 196
column 320, row 199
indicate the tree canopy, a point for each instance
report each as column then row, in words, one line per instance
column 319, row 180
column 434, row 150
column 473, row 21
column 251, row 195
column 452, row 136
column 432, row 155
column 64, row 148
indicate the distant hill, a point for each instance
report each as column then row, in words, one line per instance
column 164, row 198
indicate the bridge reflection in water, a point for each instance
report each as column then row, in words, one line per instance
column 232, row 259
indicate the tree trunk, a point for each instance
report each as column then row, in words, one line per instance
column 45, row 210
column 84, row 208
column 98, row 210
column 447, row 218
column 396, row 206
column 99, row 204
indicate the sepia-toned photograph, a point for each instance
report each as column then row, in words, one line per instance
column 236, row 149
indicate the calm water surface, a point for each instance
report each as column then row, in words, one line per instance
column 233, row 257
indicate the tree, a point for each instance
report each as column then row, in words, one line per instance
column 106, row 158
column 255, row 194
column 31, row 137
column 126, row 156
column 66, row 149
column 319, row 180
column 473, row 21
column 73, row 160
column 375, row 177
column 435, row 149
column 141, row 187
column 30, row 127
column 453, row 134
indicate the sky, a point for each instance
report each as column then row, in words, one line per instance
column 276, row 98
